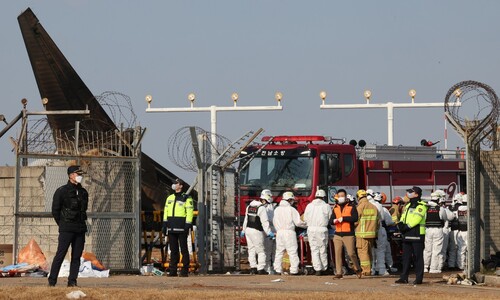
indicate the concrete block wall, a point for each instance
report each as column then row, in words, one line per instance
column 490, row 189
column 111, row 191
column 31, row 199
column 7, row 188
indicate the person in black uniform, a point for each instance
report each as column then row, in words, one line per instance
column 69, row 209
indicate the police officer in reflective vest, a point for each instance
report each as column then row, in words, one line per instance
column 412, row 226
column 178, row 218
column 69, row 209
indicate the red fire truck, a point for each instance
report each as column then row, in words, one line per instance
column 303, row 164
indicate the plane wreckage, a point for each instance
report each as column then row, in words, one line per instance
column 63, row 90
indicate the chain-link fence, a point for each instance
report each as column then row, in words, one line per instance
column 111, row 162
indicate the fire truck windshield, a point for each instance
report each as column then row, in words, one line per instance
column 279, row 173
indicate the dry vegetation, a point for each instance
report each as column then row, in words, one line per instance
column 126, row 287
column 46, row 293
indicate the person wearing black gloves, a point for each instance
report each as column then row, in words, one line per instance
column 69, row 209
column 412, row 226
column 178, row 218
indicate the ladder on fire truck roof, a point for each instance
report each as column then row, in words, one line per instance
column 418, row 153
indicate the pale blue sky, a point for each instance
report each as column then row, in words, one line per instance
column 213, row 48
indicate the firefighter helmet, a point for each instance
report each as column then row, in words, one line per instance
column 266, row 195
column 464, row 198
column 288, row 196
column 320, row 194
column 438, row 195
column 458, row 198
column 397, row 200
column 361, row 194
column 384, row 197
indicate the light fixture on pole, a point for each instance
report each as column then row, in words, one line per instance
column 389, row 106
column 278, row 96
column 412, row 93
column 213, row 109
column 45, row 101
column 234, row 96
column 191, row 98
column 322, row 95
column 149, row 99
column 367, row 95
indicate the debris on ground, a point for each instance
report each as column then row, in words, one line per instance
column 75, row 295
column 458, row 278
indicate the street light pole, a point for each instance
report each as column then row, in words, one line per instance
column 389, row 106
column 213, row 109
column 212, row 214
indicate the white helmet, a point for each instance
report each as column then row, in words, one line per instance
column 438, row 196
column 288, row 196
column 320, row 194
column 350, row 198
column 266, row 195
column 458, row 198
column 464, row 198
column 369, row 194
column 377, row 197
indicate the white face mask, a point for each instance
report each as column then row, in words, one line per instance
column 79, row 179
column 174, row 186
column 341, row 200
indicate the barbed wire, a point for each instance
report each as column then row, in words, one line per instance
column 40, row 136
column 474, row 106
column 119, row 108
column 180, row 148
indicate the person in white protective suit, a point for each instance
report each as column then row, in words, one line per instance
column 462, row 233
column 286, row 218
column 434, row 235
column 369, row 195
column 452, row 238
column 317, row 216
column 256, row 228
column 269, row 244
column 446, row 229
column 382, row 252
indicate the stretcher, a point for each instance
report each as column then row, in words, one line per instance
column 305, row 264
column 395, row 242
column 152, row 236
column 193, row 257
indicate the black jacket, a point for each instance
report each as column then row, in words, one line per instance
column 69, row 208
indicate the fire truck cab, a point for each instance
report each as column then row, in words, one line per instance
column 303, row 164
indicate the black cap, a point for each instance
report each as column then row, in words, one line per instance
column 75, row 169
column 179, row 181
column 415, row 189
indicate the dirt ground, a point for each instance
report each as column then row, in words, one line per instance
column 242, row 287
